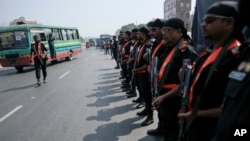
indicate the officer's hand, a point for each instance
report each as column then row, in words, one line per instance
column 185, row 115
column 157, row 102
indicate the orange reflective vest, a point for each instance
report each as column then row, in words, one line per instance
column 211, row 58
column 125, row 45
column 156, row 49
column 38, row 50
column 140, row 53
column 167, row 61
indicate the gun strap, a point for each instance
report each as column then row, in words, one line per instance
column 165, row 74
column 199, row 98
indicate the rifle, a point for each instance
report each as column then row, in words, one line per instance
column 148, row 58
column 154, row 77
column 134, row 65
column 39, row 56
column 183, row 92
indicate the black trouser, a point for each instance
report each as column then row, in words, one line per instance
column 202, row 129
column 52, row 53
column 145, row 91
column 168, row 118
column 40, row 64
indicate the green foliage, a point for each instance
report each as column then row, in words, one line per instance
column 131, row 26
column 128, row 27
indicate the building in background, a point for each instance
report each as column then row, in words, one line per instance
column 21, row 20
column 180, row 9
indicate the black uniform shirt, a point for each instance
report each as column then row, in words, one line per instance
column 213, row 93
column 127, row 47
column 142, row 61
column 235, row 109
column 181, row 54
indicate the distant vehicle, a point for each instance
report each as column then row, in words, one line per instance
column 98, row 42
column 104, row 37
column 15, row 43
column 92, row 42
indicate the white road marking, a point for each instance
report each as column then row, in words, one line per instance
column 64, row 75
column 10, row 113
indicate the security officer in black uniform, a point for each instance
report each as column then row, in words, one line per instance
column 222, row 26
column 38, row 53
column 156, row 50
column 178, row 47
column 125, row 51
column 114, row 45
column 131, row 63
column 235, row 111
column 143, row 76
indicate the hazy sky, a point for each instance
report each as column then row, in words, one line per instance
column 91, row 17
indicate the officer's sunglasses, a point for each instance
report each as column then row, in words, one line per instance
column 211, row 18
column 153, row 29
column 166, row 29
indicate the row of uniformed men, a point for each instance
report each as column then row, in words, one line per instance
column 172, row 46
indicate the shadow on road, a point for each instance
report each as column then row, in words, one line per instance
column 113, row 130
column 107, row 114
column 17, row 88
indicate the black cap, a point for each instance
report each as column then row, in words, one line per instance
column 135, row 30
column 121, row 32
column 128, row 33
column 224, row 8
column 149, row 23
column 156, row 23
column 144, row 30
column 174, row 23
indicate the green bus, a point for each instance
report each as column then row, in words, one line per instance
column 16, row 40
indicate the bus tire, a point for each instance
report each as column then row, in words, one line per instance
column 54, row 61
column 19, row 68
column 70, row 57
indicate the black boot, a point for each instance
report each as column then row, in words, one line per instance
column 156, row 132
column 149, row 120
column 144, row 112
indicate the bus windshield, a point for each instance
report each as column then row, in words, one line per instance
column 13, row 40
column 105, row 37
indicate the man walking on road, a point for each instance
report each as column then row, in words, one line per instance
column 38, row 53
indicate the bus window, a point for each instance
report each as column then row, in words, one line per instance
column 38, row 31
column 69, row 35
column 75, row 34
column 42, row 36
column 64, row 34
column 47, row 32
column 56, row 34
column 12, row 40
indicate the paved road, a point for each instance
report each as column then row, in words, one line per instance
column 81, row 101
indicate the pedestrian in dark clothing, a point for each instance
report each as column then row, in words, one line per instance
column 38, row 53
column 52, row 46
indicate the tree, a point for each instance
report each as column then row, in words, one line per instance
column 128, row 27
